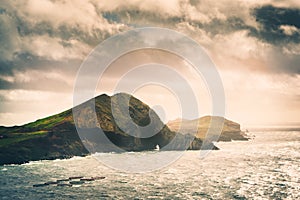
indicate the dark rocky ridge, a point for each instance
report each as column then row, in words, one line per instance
column 56, row 136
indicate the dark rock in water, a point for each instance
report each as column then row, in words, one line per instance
column 40, row 185
column 75, row 177
column 87, row 179
column 51, row 183
column 74, row 180
column 56, row 137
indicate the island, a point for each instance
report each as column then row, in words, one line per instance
column 203, row 129
column 56, row 137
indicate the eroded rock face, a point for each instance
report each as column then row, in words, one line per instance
column 140, row 113
column 221, row 130
column 56, row 136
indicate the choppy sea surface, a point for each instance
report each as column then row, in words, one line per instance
column 266, row 167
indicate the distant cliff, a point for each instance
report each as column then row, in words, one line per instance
column 56, row 136
column 230, row 130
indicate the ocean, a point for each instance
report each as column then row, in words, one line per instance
column 266, row 167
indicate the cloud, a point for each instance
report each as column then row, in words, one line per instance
column 37, row 80
column 163, row 8
column 66, row 30
column 289, row 30
column 9, row 40
column 275, row 22
column 60, row 29
column 43, row 42
column 70, row 13
column 45, row 37
column 54, row 48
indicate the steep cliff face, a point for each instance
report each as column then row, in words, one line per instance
column 230, row 130
column 56, row 136
column 139, row 113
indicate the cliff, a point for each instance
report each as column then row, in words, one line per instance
column 230, row 130
column 56, row 136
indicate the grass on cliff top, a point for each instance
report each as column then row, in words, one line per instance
column 49, row 122
column 18, row 137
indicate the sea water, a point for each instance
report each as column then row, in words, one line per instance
column 266, row 167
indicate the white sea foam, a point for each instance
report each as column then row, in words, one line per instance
column 266, row 167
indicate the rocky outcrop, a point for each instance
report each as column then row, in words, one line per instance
column 56, row 136
column 207, row 130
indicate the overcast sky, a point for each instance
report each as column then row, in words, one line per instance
column 255, row 45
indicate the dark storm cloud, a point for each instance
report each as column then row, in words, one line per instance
column 272, row 18
column 24, row 61
column 41, row 83
column 272, row 21
column 63, row 31
column 6, row 67
column 37, row 80
column 5, row 85
column 136, row 18
column 16, row 27
column 15, row 58
column 17, row 31
column 8, row 34
column 225, row 26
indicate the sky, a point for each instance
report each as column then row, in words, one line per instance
column 255, row 45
